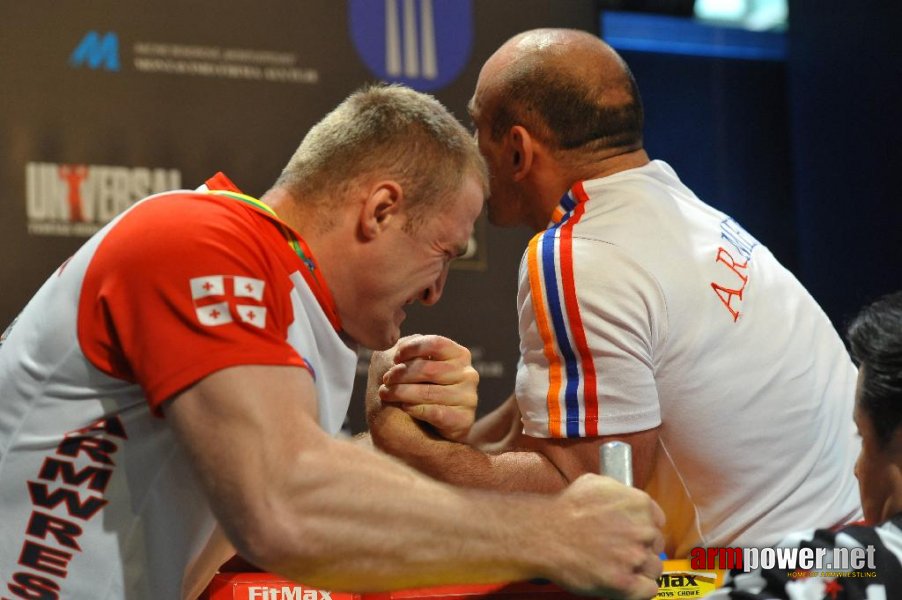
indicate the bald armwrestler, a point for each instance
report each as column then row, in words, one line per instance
column 645, row 315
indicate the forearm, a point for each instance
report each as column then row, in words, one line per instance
column 508, row 471
column 332, row 514
column 517, row 463
column 366, row 522
column 365, row 512
column 496, row 430
column 363, row 440
column 513, row 469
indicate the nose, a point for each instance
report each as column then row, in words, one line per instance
column 432, row 294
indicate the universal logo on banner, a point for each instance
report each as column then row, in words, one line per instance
column 77, row 200
column 102, row 51
column 424, row 44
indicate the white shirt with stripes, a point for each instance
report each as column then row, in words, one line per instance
column 641, row 306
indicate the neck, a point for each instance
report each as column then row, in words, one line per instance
column 551, row 189
column 329, row 245
column 609, row 165
column 285, row 205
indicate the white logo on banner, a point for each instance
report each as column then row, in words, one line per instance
column 77, row 200
column 413, row 36
column 220, row 313
column 222, row 63
column 424, row 44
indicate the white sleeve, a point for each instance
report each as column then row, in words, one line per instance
column 590, row 320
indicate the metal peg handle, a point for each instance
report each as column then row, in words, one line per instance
column 617, row 462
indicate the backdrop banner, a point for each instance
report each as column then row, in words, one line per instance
column 107, row 102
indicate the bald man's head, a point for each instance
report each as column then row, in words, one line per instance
column 567, row 87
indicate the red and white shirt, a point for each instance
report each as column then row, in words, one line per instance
column 642, row 306
column 97, row 499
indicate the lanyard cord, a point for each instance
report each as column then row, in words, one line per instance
column 293, row 242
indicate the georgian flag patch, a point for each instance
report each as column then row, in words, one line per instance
column 219, row 299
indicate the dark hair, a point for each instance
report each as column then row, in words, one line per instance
column 568, row 111
column 875, row 337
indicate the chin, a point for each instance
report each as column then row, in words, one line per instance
column 379, row 341
column 372, row 333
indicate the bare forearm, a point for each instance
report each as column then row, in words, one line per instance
column 516, row 463
column 336, row 515
column 509, row 471
column 496, row 430
column 513, row 469
column 330, row 513
column 365, row 513
column 368, row 523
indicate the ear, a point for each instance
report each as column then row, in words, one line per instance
column 522, row 151
column 380, row 209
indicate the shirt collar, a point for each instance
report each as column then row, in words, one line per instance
column 574, row 196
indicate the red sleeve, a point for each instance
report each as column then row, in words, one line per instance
column 182, row 286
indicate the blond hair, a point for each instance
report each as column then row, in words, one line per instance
column 386, row 131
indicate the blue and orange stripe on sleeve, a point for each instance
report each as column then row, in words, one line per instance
column 553, row 289
column 577, row 330
column 554, row 363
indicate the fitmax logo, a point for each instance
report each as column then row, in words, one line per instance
column 424, row 44
column 98, row 51
column 286, row 593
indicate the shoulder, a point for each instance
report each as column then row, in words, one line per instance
column 166, row 244
column 181, row 226
column 166, row 215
